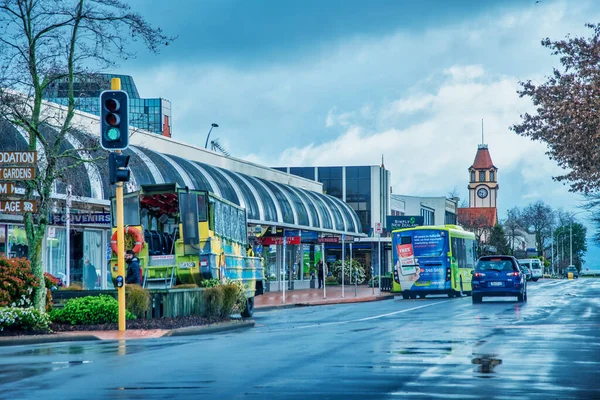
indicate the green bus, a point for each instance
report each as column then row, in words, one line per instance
column 433, row 260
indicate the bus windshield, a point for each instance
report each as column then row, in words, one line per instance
column 426, row 243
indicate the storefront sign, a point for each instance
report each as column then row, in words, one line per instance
column 329, row 239
column 18, row 206
column 7, row 188
column 18, row 157
column 80, row 219
column 400, row 222
column 275, row 240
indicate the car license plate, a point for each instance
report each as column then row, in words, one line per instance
column 495, row 283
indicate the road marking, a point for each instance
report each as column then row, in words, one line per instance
column 373, row 317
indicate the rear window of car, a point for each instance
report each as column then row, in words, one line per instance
column 499, row 264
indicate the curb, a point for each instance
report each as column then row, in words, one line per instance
column 40, row 339
column 214, row 328
column 325, row 302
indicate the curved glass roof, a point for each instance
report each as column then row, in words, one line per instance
column 266, row 202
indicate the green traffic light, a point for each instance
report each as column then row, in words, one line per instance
column 113, row 134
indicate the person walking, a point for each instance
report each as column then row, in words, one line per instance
column 90, row 277
column 133, row 268
column 320, row 272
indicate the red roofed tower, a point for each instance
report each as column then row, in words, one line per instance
column 483, row 187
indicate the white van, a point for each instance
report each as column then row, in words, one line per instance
column 535, row 266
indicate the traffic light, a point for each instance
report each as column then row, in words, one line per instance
column 114, row 120
column 117, row 168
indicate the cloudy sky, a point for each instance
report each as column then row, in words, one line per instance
column 341, row 82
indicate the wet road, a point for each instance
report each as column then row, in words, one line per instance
column 430, row 348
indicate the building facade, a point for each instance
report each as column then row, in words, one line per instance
column 366, row 189
column 80, row 225
column 153, row 115
column 434, row 210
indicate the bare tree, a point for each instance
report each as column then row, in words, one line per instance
column 513, row 227
column 43, row 42
column 480, row 226
column 538, row 219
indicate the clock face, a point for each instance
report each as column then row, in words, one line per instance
column 482, row 193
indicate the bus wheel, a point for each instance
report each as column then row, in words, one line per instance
column 249, row 310
column 405, row 296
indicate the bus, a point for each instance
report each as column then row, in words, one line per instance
column 433, row 260
column 184, row 236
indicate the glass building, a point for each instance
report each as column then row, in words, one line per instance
column 366, row 189
column 153, row 115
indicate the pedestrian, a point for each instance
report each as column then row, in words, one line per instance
column 90, row 277
column 320, row 272
column 249, row 250
column 133, row 268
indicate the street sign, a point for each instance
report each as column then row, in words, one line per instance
column 18, row 157
column 18, row 206
column 7, row 188
column 17, row 173
column 378, row 228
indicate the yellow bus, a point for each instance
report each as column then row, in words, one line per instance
column 184, row 236
column 433, row 260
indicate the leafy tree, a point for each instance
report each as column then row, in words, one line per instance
column 498, row 240
column 538, row 218
column 43, row 42
column 567, row 118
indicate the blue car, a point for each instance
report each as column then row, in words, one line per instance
column 498, row 276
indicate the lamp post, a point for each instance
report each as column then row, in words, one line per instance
column 213, row 125
column 571, row 236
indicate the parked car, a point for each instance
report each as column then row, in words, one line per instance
column 498, row 276
column 534, row 265
column 573, row 269
column 526, row 271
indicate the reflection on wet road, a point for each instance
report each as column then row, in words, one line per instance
column 428, row 348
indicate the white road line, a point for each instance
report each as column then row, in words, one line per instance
column 373, row 317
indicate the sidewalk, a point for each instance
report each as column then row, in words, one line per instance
column 314, row 297
column 129, row 334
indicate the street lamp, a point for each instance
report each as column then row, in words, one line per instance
column 571, row 235
column 213, row 125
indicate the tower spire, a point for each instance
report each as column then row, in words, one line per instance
column 482, row 141
column 382, row 165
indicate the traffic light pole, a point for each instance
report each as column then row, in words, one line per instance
column 115, row 84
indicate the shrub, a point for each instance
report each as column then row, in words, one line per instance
column 89, row 310
column 24, row 319
column 212, row 301
column 209, row 282
column 331, row 280
column 73, row 286
column 240, row 299
column 186, row 286
column 16, row 282
column 52, row 283
column 230, row 294
column 349, row 271
column 137, row 299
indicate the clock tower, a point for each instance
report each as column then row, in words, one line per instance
column 483, row 182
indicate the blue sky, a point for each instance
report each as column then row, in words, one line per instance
column 343, row 82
